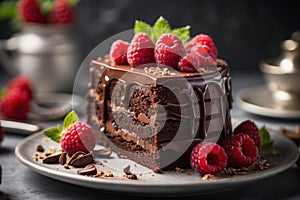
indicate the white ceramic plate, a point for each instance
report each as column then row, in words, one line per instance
column 258, row 100
column 168, row 183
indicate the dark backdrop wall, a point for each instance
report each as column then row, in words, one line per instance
column 245, row 32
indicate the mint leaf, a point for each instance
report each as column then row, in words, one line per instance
column 55, row 133
column 160, row 27
column 73, row 2
column 8, row 9
column 266, row 141
column 46, row 6
column 140, row 26
column 182, row 33
column 70, row 119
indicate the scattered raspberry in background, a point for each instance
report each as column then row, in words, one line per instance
column 140, row 50
column 241, row 150
column 29, row 11
column 118, row 52
column 203, row 40
column 189, row 63
column 15, row 104
column 169, row 50
column 61, row 13
column 208, row 158
column 22, row 83
column 78, row 137
column 248, row 127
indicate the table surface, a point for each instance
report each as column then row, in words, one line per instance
column 20, row 182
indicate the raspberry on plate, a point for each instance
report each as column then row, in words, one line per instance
column 169, row 50
column 241, row 150
column 248, row 127
column 29, row 11
column 61, row 13
column 15, row 104
column 118, row 52
column 204, row 40
column 74, row 136
column 189, row 63
column 140, row 50
column 208, row 158
column 78, row 137
column 22, row 83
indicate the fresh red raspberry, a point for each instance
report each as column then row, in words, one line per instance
column 189, row 63
column 241, row 150
column 203, row 39
column 15, row 104
column 118, row 52
column 61, row 13
column 78, row 137
column 204, row 58
column 248, row 127
column 29, row 11
column 22, row 83
column 208, row 158
column 169, row 50
column 140, row 50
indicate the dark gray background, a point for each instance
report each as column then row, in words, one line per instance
column 245, row 32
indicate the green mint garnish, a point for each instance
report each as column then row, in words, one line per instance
column 182, row 33
column 70, row 119
column 161, row 26
column 266, row 141
column 55, row 133
column 143, row 27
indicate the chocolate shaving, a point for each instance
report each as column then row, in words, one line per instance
column 40, row 148
column 52, row 159
column 103, row 153
column 62, row 158
column 83, row 160
column 88, row 170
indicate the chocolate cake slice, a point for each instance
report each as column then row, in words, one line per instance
column 155, row 115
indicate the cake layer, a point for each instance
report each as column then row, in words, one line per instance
column 147, row 109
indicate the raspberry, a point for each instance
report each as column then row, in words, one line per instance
column 118, row 52
column 189, row 63
column 15, row 104
column 61, row 13
column 78, row 137
column 204, row 58
column 29, row 11
column 203, row 39
column 22, row 83
column 140, row 50
column 241, row 150
column 208, row 158
column 169, row 50
column 248, row 127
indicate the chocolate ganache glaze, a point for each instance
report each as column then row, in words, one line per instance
column 150, row 113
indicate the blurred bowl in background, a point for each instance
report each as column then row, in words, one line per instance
column 47, row 54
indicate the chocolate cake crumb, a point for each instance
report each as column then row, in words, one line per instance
column 157, row 170
column 131, row 176
column 274, row 152
column 66, row 166
column 40, row 148
column 108, row 174
column 209, row 177
column 179, row 170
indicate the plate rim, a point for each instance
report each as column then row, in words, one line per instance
column 137, row 187
column 260, row 110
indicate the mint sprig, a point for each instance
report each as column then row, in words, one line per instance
column 55, row 133
column 161, row 26
column 266, row 140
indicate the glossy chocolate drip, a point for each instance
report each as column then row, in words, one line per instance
column 198, row 102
